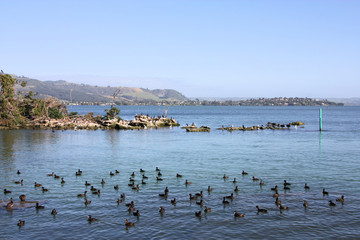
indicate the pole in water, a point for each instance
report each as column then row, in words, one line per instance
column 320, row 119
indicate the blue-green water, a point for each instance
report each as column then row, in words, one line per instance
column 304, row 155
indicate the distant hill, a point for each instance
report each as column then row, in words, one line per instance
column 80, row 93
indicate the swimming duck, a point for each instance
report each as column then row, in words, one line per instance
column 79, row 171
column 234, row 181
column 198, row 214
column 187, row 182
column 341, row 199
column 201, row 202
column 122, row 196
column 19, row 182
column 277, row 202
column 91, row 219
column 62, row 180
column 255, row 179
column 230, row 197
column 137, row 213
column 18, row 172
column 6, row 191
column 191, row 197
column 236, row 189
column 133, row 174
column 244, row 173
column 286, row 183
column 306, row 186
column 51, row 174
column 96, row 192
column 332, row 204
column 142, row 181
column 82, row 195
column 131, row 179
column 173, row 202
column 131, row 204
column 131, row 209
column 132, row 184
column 236, row 214
column 87, row 202
column 129, row 224
column 207, row 210
column 93, row 189
column 161, row 210
column 200, row 194
column 261, row 182
column 78, row 174
column 306, row 204
column 166, row 190
column 281, row 207
column 116, row 187
column 163, row 195
column 158, row 179
column 325, row 192
column 56, row 176
column 178, row 175
column 117, row 171
column 21, row 223
column 209, row 189
column 141, row 170
column 225, row 202
column 102, row 182
column 87, row 184
column 10, row 204
column 44, row 189
column 37, row 184
column 118, row 201
column 225, row 177
column 261, row 209
column 54, row 212
column 112, row 174
column 159, row 174
column 157, row 169
column 136, row 187
column 275, row 188
column 22, row 197
column 144, row 177
column 38, row 206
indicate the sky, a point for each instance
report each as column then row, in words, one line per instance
column 201, row 48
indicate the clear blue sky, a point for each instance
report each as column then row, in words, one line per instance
column 202, row 48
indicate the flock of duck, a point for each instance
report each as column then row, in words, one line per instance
column 197, row 197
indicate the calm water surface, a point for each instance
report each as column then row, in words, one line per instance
column 323, row 160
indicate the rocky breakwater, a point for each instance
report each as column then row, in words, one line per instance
column 140, row 122
column 270, row 125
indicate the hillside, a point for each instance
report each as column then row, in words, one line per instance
column 79, row 93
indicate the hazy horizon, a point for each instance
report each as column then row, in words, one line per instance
column 212, row 49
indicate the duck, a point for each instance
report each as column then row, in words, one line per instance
column 93, row 189
column 198, row 214
column 10, row 204
column 187, row 182
column 131, row 209
column 225, row 177
column 133, row 174
column 209, row 189
column 132, row 184
column 236, row 189
column 225, row 202
column 131, row 179
column 116, row 187
column 131, row 204
column 277, row 202
column 56, row 176
column 87, row 183
column 38, row 206
column 137, row 213
column 173, row 202
column 341, row 199
column 122, row 196
column 178, row 175
column 161, row 210
column 96, row 192
column 236, row 214
column 6, row 191
column 102, row 182
column 286, row 183
column 157, row 169
column 37, row 184
column 117, row 171
column 281, row 207
column 325, row 192
column 19, row 182
column 91, row 219
column 332, row 204
column 305, row 204
column 112, row 174
column 22, row 197
column 21, row 223
column 141, row 170
column 201, row 202
column 306, row 186
column 136, row 187
column 54, row 212
column 51, row 174
column 261, row 209
column 158, row 179
column 191, row 197
column 144, row 177
column 129, row 224
column 275, row 188
column 244, row 173
column 62, row 180
column 166, row 190
column 159, row 174
column 142, row 181
column 207, row 210
column 234, row 181
column 82, row 194
column 87, row 202
column 255, row 179
column 118, row 201
column 261, row 182
column 200, row 194
column 18, row 172
column 44, row 189
column 231, row 196
column 78, row 174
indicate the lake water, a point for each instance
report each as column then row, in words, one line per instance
column 330, row 160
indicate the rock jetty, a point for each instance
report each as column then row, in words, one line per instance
column 269, row 125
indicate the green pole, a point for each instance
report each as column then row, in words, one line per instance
column 320, row 120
